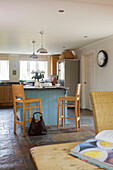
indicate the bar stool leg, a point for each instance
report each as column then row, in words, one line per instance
column 76, row 122
column 40, row 107
column 79, row 113
column 29, row 105
column 24, row 119
column 14, row 117
column 58, row 115
column 62, row 112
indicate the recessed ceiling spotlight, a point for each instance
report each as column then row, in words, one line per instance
column 85, row 36
column 61, row 11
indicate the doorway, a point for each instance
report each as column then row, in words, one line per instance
column 88, row 78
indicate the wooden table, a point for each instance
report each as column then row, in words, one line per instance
column 56, row 157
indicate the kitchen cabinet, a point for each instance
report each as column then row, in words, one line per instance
column 54, row 60
column 6, row 96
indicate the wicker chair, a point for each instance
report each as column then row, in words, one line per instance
column 102, row 105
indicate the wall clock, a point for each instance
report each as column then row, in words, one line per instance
column 102, row 58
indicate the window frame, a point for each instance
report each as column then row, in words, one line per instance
column 28, row 67
column 5, row 58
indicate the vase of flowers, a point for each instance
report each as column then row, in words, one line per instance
column 38, row 75
column 37, row 83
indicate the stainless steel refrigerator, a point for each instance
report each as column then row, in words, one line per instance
column 68, row 74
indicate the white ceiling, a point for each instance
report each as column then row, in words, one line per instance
column 22, row 20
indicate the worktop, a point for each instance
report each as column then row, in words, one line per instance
column 8, row 83
column 44, row 88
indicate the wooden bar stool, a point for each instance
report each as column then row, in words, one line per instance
column 70, row 101
column 19, row 97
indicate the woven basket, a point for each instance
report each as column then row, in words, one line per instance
column 67, row 55
column 102, row 105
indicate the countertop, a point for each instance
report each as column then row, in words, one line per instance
column 8, row 83
column 27, row 87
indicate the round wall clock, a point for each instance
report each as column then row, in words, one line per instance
column 102, row 58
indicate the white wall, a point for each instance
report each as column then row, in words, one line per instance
column 15, row 58
column 103, row 75
column 14, row 64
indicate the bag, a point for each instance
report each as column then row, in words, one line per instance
column 37, row 128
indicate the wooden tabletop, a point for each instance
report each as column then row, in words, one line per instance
column 56, row 157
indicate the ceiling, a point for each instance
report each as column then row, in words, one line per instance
column 22, row 20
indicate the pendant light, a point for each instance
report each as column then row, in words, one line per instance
column 42, row 50
column 33, row 56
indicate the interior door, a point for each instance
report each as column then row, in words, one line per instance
column 89, row 78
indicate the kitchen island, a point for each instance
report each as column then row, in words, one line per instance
column 49, row 97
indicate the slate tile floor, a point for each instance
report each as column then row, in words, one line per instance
column 14, row 149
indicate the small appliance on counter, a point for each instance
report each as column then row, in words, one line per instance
column 54, row 80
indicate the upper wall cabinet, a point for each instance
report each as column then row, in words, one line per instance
column 54, row 60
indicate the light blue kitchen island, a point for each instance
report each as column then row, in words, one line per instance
column 49, row 97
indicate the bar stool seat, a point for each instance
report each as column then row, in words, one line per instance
column 19, row 97
column 70, row 101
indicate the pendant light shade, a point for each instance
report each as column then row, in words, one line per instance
column 42, row 49
column 33, row 56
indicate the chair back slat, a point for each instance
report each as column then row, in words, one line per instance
column 102, row 105
column 18, row 91
column 78, row 90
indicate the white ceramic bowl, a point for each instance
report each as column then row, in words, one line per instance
column 57, row 85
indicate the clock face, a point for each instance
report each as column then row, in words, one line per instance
column 102, row 58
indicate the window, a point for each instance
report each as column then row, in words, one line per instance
column 4, row 69
column 26, row 68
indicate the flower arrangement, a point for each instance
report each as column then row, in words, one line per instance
column 38, row 74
